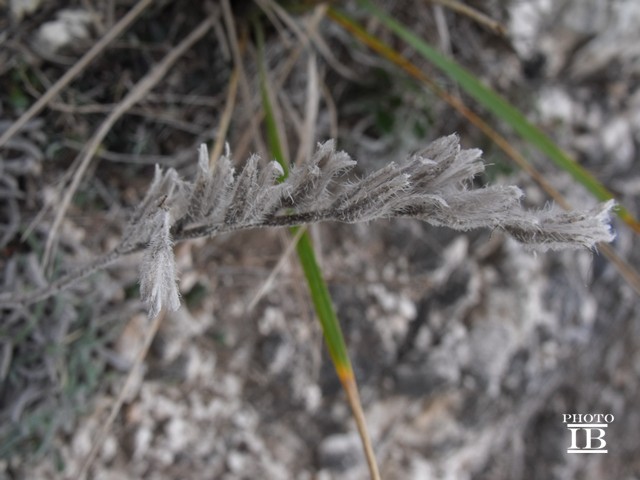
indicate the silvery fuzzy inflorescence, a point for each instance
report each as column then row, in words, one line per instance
column 433, row 185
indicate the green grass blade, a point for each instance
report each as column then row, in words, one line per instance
column 323, row 306
column 317, row 287
column 499, row 106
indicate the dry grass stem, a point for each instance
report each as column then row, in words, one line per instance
column 351, row 388
column 266, row 285
column 227, row 113
column 74, row 71
column 473, row 14
column 305, row 149
column 236, row 52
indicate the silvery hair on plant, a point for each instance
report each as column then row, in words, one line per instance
column 433, row 185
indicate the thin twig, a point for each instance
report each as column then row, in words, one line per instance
column 305, row 149
column 74, row 71
column 332, row 109
column 276, row 111
column 264, row 288
column 153, row 115
column 134, row 96
column 179, row 158
column 234, row 42
column 443, row 29
column 8, row 299
column 474, row 14
column 225, row 120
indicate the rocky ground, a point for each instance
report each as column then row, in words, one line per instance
column 468, row 348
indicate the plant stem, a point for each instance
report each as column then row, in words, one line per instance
column 351, row 388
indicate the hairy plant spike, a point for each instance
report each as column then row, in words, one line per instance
column 353, row 192
column 201, row 186
column 331, row 164
column 244, row 193
column 428, row 174
column 166, row 186
column 158, row 274
column 553, row 230
column 432, row 186
column 219, row 195
column 469, row 209
column 439, row 154
column 307, row 183
column 376, row 198
column 269, row 196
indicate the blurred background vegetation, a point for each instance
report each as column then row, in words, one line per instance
column 416, row 305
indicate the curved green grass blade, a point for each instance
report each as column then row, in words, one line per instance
column 318, row 290
column 324, row 307
column 496, row 104
column 317, row 287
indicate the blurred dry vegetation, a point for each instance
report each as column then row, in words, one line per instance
column 467, row 348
